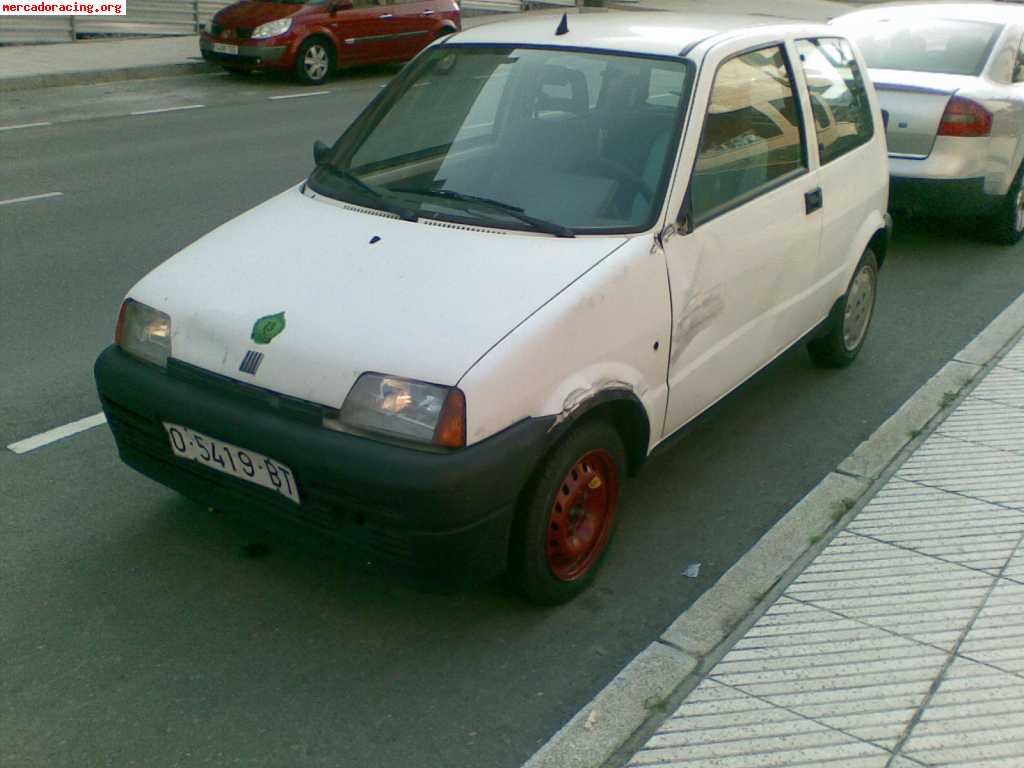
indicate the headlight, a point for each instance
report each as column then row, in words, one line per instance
column 405, row 409
column 144, row 332
column 272, row 29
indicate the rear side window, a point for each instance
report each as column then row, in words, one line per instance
column 839, row 100
column 752, row 136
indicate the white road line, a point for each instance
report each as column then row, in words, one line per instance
column 298, row 95
column 167, row 109
column 22, row 125
column 57, row 433
column 31, row 197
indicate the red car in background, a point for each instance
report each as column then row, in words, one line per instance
column 312, row 38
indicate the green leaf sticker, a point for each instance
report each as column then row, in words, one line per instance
column 267, row 327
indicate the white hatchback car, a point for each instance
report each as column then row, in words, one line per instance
column 537, row 253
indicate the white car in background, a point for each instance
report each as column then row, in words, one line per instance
column 951, row 78
column 539, row 252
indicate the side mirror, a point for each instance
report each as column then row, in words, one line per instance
column 320, row 151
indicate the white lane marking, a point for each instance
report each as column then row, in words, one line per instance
column 167, row 109
column 22, row 125
column 57, row 433
column 31, row 197
column 298, row 95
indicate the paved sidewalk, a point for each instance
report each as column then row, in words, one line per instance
column 902, row 643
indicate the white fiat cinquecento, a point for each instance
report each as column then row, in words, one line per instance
column 541, row 250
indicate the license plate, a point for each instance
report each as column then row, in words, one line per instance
column 232, row 460
column 225, row 48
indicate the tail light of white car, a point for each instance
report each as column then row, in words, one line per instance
column 964, row 117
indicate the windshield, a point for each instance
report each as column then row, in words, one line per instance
column 555, row 140
column 943, row 46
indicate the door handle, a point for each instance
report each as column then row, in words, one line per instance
column 813, row 200
column 427, row 13
column 386, row 16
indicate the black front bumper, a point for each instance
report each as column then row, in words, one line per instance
column 941, row 196
column 433, row 515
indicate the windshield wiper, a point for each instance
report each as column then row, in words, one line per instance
column 406, row 214
column 540, row 225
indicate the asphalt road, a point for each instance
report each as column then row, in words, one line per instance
column 138, row 629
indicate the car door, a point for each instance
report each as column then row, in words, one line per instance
column 363, row 30
column 851, row 172
column 414, row 24
column 737, row 267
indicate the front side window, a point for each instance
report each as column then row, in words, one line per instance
column 752, row 137
column 839, row 100
column 517, row 137
column 947, row 46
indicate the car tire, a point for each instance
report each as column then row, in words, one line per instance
column 567, row 515
column 1008, row 223
column 847, row 327
column 314, row 61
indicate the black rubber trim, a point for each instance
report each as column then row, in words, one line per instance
column 436, row 513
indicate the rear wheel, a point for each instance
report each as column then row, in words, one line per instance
column 1008, row 223
column 848, row 325
column 314, row 61
column 568, row 515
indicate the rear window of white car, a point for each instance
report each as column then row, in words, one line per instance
column 944, row 46
column 839, row 100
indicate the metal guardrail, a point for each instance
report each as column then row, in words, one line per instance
column 144, row 17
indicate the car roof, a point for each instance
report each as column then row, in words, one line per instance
column 995, row 13
column 631, row 31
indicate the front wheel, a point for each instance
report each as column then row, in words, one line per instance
column 848, row 324
column 567, row 515
column 314, row 61
column 1008, row 223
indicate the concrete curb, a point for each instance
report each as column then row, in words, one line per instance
column 90, row 77
column 641, row 695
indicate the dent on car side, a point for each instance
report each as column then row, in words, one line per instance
column 606, row 332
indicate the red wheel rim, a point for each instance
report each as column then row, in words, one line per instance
column 581, row 515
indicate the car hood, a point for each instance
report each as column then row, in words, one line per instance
column 252, row 13
column 359, row 291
